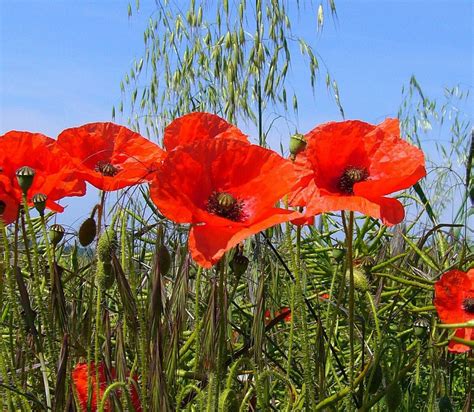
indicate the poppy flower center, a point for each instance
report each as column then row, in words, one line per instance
column 106, row 168
column 3, row 206
column 225, row 205
column 350, row 177
column 468, row 305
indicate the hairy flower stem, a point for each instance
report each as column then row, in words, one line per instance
column 308, row 375
column 197, row 318
column 350, row 265
column 221, row 353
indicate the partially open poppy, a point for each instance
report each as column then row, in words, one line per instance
column 454, row 301
column 198, row 126
column 110, row 156
column 80, row 379
column 226, row 189
column 352, row 165
column 54, row 176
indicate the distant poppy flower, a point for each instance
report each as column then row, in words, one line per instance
column 197, row 126
column 80, row 379
column 110, row 156
column 324, row 295
column 53, row 174
column 226, row 189
column 454, row 302
column 352, row 165
column 283, row 314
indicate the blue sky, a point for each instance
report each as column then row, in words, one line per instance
column 61, row 62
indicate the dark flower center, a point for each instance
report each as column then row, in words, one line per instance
column 106, row 168
column 225, row 205
column 3, row 206
column 468, row 305
column 350, row 177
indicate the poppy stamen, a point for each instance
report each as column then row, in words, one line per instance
column 225, row 205
column 3, row 206
column 350, row 177
column 468, row 305
column 106, row 168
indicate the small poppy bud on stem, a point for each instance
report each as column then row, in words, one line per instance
column 56, row 234
column 164, row 259
column 239, row 264
column 39, row 201
column 25, row 176
column 297, row 144
column 87, row 231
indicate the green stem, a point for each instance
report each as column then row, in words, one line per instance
column 350, row 264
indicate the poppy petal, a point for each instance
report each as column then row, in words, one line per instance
column 463, row 333
column 199, row 126
column 209, row 243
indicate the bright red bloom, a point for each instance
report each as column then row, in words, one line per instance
column 352, row 165
column 110, row 156
column 454, row 301
column 54, row 175
column 80, row 377
column 226, row 189
column 198, row 126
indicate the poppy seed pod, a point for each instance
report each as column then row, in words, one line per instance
column 421, row 327
column 239, row 264
column 56, row 234
column 25, row 176
column 39, row 200
column 297, row 144
column 87, row 232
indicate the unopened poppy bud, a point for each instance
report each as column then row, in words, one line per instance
column 393, row 396
column 338, row 252
column 445, row 405
column 297, row 144
column 56, row 234
column 376, row 379
column 25, row 176
column 421, row 327
column 87, row 232
column 239, row 264
column 360, row 280
column 39, row 201
column 164, row 260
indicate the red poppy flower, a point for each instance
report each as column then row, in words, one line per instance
column 199, row 126
column 80, row 378
column 110, row 156
column 454, row 301
column 352, row 165
column 226, row 189
column 54, row 175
